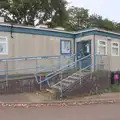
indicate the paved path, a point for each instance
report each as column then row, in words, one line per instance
column 89, row 112
column 33, row 97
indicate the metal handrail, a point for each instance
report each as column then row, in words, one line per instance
column 6, row 71
column 27, row 58
column 53, row 74
column 68, row 65
column 19, row 69
column 31, row 57
column 74, row 55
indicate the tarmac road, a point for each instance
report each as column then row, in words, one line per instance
column 87, row 112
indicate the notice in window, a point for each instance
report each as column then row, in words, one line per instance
column 66, row 47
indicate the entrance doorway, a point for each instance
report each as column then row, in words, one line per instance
column 84, row 49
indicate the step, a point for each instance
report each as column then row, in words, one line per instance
column 64, row 84
column 82, row 74
column 85, row 73
column 57, row 87
column 77, row 75
column 73, row 78
column 69, row 81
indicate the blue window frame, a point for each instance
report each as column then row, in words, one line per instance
column 65, row 47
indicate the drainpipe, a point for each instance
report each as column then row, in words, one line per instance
column 11, row 31
column 74, row 44
column 74, row 50
column 94, row 52
column 109, row 53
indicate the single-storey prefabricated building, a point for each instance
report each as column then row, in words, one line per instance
column 18, row 42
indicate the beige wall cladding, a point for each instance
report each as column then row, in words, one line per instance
column 32, row 45
column 41, row 45
column 36, row 45
column 113, row 62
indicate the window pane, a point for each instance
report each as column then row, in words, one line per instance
column 115, row 44
column 102, row 50
column 2, row 40
column 65, row 46
column 3, row 48
column 115, row 51
column 102, row 42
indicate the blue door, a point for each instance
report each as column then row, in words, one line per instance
column 84, row 49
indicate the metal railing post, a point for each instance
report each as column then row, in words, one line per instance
column 59, row 62
column 80, row 74
column 36, row 65
column 40, row 83
column 76, row 64
column 61, row 84
column 6, row 73
column 91, row 67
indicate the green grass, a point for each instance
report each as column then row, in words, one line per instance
column 114, row 88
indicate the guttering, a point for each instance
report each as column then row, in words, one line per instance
column 57, row 33
column 41, row 28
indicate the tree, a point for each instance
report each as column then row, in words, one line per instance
column 108, row 25
column 117, row 27
column 60, row 16
column 53, row 13
column 78, row 18
column 26, row 12
column 95, row 21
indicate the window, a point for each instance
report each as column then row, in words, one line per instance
column 115, row 48
column 65, row 47
column 102, row 47
column 3, row 46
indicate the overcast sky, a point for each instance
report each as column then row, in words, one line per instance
column 106, row 8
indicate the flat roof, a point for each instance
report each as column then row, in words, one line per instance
column 55, row 32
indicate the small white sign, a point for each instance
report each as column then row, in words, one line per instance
column 66, row 47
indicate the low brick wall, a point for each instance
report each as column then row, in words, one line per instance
column 96, row 82
column 17, row 86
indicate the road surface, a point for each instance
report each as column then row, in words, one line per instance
column 88, row 112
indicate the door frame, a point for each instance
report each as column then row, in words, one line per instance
column 81, row 41
column 77, row 47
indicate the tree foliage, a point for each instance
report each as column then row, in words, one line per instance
column 26, row 12
column 78, row 18
column 95, row 21
column 53, row 13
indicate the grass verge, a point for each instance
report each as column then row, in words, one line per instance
column 114, row 88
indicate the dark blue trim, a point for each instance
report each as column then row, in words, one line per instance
column 61, row 47
column 107, row 34
column 5, row 28
column 100, row 55
column 35, row 31
column 47, row 32
column 84, row 34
